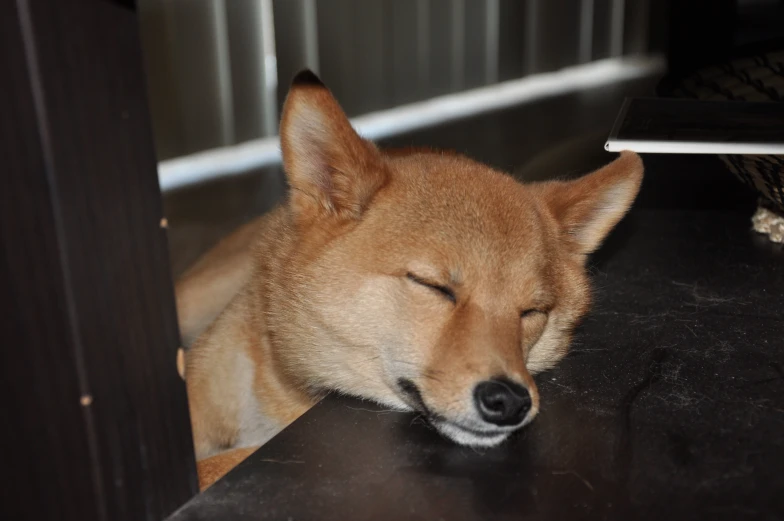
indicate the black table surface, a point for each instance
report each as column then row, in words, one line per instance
column 670, row 406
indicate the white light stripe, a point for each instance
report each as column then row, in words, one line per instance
column 691, row 147
column 237, row 159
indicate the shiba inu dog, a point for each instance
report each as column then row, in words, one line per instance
column 418, row 279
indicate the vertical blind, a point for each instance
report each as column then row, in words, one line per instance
column 218, row 70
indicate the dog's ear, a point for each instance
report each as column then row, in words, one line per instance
column 589, row 207
column 330, row 169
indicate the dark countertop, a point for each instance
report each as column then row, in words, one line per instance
column 670, row 406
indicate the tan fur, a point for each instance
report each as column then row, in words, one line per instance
column 323, row 299
column 214, row 468
column 220, row 273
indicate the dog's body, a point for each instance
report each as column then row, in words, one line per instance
column 420, row 280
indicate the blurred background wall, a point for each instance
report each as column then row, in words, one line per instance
column 218, row 70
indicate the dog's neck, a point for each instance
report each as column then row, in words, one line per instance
column 284, row 396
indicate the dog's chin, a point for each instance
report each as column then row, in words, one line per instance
column 469, row 438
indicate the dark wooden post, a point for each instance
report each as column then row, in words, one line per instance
column 95, row 416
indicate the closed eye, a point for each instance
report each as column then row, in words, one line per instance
column 531, row 312
column 443, row 290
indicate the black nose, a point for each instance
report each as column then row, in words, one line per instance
column 502, row 401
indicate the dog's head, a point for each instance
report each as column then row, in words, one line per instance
column 424, row 280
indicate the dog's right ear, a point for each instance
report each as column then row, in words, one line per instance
column 589, row 207
column 331, row 170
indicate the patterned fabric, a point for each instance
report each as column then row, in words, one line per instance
column 754, row 78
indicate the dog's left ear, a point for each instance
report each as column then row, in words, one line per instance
column 589, row 207
column 332, row 171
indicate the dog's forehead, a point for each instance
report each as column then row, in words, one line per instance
column 459, row 216
column 472, row 201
